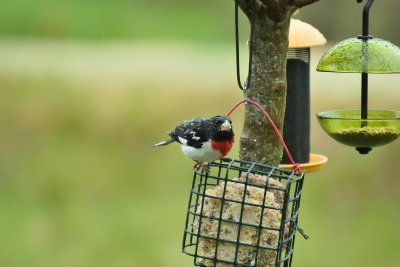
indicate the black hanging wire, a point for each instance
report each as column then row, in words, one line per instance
column 253, row 15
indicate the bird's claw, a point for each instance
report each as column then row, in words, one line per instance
column 200, row 165
column 206, row 168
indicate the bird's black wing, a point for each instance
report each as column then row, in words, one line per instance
column 192, row 133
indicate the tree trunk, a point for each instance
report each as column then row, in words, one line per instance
column 268, row 83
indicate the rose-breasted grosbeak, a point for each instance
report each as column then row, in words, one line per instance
column 203, row 139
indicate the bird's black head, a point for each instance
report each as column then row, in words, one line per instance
column 221, row 128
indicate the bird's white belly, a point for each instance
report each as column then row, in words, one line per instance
column 204, row 153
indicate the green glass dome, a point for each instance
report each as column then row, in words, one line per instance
column 356, row 55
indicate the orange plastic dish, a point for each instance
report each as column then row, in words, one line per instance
column 316, row 162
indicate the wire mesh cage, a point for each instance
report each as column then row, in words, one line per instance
column 242, row 213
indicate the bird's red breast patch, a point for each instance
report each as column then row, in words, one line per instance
column 223, row 146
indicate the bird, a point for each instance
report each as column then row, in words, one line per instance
column 203, row 139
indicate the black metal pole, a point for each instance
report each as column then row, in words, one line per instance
column 364, row 75
column 366, row 9
column 364, row 96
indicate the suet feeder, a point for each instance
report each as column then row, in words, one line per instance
column 362, row 129
column 302, row 36
column 243, row 214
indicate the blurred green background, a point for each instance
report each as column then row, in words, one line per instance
column 86, row 87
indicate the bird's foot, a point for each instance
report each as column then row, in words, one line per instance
column 200, row 165
column 206, row 168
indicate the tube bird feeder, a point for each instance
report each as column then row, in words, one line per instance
column 302, row 36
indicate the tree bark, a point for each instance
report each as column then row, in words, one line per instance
column 268, row 83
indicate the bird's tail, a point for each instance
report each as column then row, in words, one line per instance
column 164, row 143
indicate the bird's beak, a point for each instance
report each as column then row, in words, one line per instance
column 226, row 126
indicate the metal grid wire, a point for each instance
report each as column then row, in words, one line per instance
column 225, row 226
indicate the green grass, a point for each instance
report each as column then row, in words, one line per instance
column 198, row 21
column 121, row 19
column 81, row 185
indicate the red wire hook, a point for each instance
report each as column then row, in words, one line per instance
column 295, row 166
